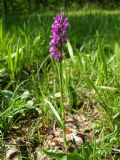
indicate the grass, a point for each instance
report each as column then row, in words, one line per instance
column 91, row 66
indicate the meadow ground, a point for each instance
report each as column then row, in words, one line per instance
column 30, row 111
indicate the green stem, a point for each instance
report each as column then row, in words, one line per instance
column 61, row 91
column 61, row 103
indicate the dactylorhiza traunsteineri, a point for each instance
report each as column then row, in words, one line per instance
column 58, row 36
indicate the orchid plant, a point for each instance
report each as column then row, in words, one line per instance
column 58, row 41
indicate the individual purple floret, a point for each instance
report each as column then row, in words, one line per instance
column 58, row 36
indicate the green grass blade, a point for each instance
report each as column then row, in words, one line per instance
column 62, row 156
column 117, row 52
column 10, row 63
column 101, row 53
column 54, row 111
column 70, row 50
column 1, row 29
column 101, row 101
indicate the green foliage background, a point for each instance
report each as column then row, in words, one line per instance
column 23, row 6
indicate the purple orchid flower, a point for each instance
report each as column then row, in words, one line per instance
column 58, row 36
